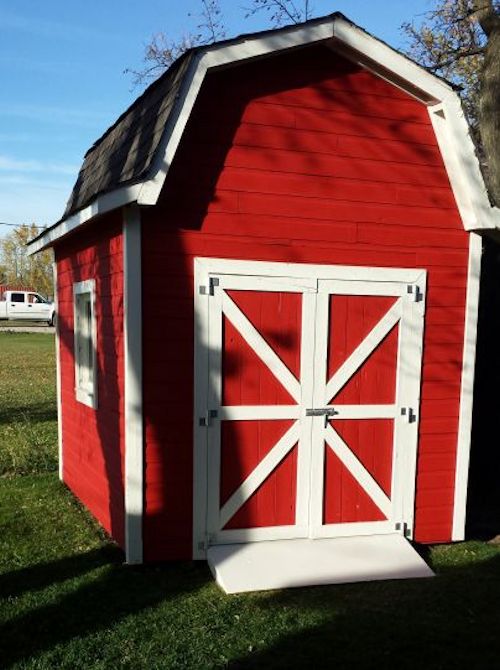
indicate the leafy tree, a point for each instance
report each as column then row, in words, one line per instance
column 16, row 267
column 460, row 40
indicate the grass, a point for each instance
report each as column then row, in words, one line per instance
column 67, row 600
column 28, row 418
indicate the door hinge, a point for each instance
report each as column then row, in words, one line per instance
column 208, row 288
column 409, row 413
column 403, row 528
column 415, row 292
column 207, row 419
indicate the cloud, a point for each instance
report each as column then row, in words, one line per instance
column 15, row 165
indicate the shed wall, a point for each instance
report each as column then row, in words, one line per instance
column 302, row 158
column 93, row 440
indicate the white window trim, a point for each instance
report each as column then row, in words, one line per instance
column 84, row 395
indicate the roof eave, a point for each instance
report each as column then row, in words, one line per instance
column 104, row 203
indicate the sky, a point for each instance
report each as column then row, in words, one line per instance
column 63, row 80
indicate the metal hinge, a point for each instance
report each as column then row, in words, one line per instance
column 409, row 413
column 415, row 292
column 208, row 288
column 206, row 420
column 403, row 527
column 204, row 544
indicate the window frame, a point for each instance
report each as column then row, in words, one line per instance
column 85, row 394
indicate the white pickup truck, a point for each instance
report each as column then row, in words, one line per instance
column 26, row 305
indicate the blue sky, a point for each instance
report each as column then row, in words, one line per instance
column 63, row 82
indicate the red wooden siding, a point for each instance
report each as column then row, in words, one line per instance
column 93, row 439
column 302, row 158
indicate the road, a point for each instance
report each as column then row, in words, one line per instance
column 17, row 327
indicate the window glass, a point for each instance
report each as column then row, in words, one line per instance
column 17, row 297
column 85, row 344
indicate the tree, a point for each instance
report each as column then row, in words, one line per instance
column 460, row 40
column 16, row 267
column 163, row 50
column 281, row 12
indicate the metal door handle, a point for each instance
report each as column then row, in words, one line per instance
column 321, row 411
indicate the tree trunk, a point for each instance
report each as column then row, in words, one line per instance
column 489, row 98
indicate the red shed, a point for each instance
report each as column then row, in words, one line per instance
column 267, row 292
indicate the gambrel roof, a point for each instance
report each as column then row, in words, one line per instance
column 129, row 163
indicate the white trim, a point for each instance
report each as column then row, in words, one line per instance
column 212, row 278
column 462, row 166
column 467, row 387
column 386, row 58
column 200, row 437
column 363, row 351
column 452, row 133
column 358, row 471
column 410, row 352
column 259, row 345
column 58, row 374
column 305, row 271
column 258, row 412
column 264, row 468
column 102, row 204
column 214, row 57
column 364, row 412
column 132, row 336
column 84, row 395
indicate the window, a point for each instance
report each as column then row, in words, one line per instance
column 85, row 343
column 17, row 297
column 36, row 299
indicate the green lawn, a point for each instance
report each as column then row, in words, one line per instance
column 28, row 418
column 67, row 600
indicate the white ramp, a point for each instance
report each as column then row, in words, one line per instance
column 282, row 564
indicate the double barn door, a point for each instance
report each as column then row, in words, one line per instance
column 307, row 398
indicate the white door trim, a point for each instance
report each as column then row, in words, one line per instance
column 211, row 275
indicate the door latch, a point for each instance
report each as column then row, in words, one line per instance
column 327, row 412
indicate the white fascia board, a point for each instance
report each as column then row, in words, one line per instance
column 388, row 59
column 467, row 387
column 215, row 57
column 101, row 205
column 462, row 165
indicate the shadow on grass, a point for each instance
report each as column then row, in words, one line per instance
column 116, row 592
column 43, row 411
column 450, row 621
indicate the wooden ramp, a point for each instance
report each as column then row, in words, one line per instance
column 282, row 564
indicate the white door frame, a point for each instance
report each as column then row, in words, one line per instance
column 211, row 273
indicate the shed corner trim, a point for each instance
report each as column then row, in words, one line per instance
column 467, row 387
column 133, row 402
